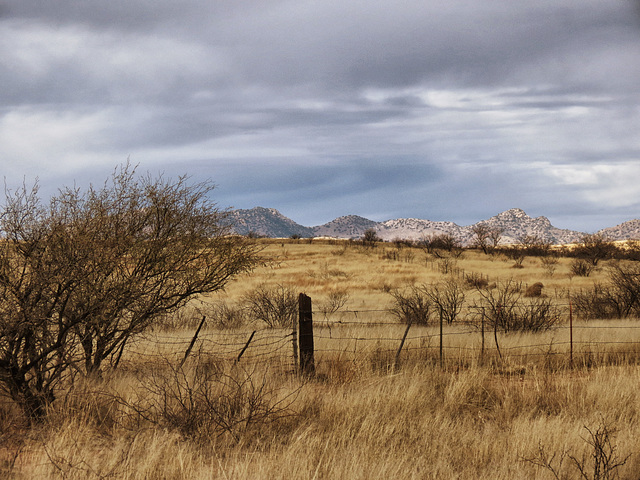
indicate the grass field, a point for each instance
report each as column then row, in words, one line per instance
column 524, row 413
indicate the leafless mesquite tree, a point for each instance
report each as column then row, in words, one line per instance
column 486, row 237
column 370, row 238
column 83, row 274
column 594, row 247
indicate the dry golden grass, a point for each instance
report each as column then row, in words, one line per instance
column 361, row 417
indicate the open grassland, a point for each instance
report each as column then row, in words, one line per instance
column 528, row 411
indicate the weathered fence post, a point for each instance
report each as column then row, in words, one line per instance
column 482, row 332
column 307, row 363
column 570, row 334
column 404, row 337
column 294, row 342
column 495, row 331
column 244, row 349
column 193, row 341
column 441, row 340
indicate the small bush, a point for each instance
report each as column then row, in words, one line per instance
column 411, row 306
column 550, row 264
column 504, row 309
column 277, row 306
column 444, row 242
column 537, row 316
column 334, row 302
column 476, row 280
column 223, row 315
column 209, row 400
column 595, row 303
column 447, row 297
column 581, row 267
column 620, row 298
column 447, row 265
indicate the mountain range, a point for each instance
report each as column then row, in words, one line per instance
column 514, row 223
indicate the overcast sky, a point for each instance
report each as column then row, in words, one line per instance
column 437, row 110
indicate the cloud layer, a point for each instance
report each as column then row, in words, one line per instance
column 438, row 110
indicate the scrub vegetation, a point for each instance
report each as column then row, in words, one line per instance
column 523, row 412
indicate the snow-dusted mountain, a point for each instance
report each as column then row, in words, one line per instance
column 624, row 231
column 514, row 223
column 350, row 226
column 415, row 229
column 267, row 222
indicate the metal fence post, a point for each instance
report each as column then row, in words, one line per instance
column 570, row 334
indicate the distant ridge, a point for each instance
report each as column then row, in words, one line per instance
column 515, row 224
column 267, row 222
column 624, row 231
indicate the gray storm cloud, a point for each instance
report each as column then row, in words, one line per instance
column 442, row 110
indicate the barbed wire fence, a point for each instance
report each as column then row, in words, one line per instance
column 263, row 345
column 476, row 336
column 353, row 334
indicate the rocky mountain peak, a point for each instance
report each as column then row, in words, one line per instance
column 512, row 214
column 514, row 223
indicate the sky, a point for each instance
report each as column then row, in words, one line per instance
column 445, row 111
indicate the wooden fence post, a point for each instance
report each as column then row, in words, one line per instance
column 495, row 331
column 441, row 341
column 482, row 333
column 244, row 349
column 404, row 337
column 307, row 363
column 193, row 341
column 294, row 342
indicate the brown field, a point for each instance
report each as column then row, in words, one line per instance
column 526, row 412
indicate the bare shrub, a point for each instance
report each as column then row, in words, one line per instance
column 518, row 255
column 218, row 314
column 504, row 309
column 536, row 316
column 581, row 267
column 411, row 306
column 624, row 278
column 447, row 265
column 620, row 298
column 595, row 303
column 205, row 400
column 334, row 302
column 447, row 297
column 277, row 306
column 486, row 237
column 499, row 304
column 476, row 280
column 443, row 241
column 600, row 462
column 399, row 254
column 225, row 316
column 603, row 457
column 593, row 248
column 370, row 238
column 326, row 273
column 549, row 264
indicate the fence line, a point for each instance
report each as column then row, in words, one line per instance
column 361, row 337
column 265, row 344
